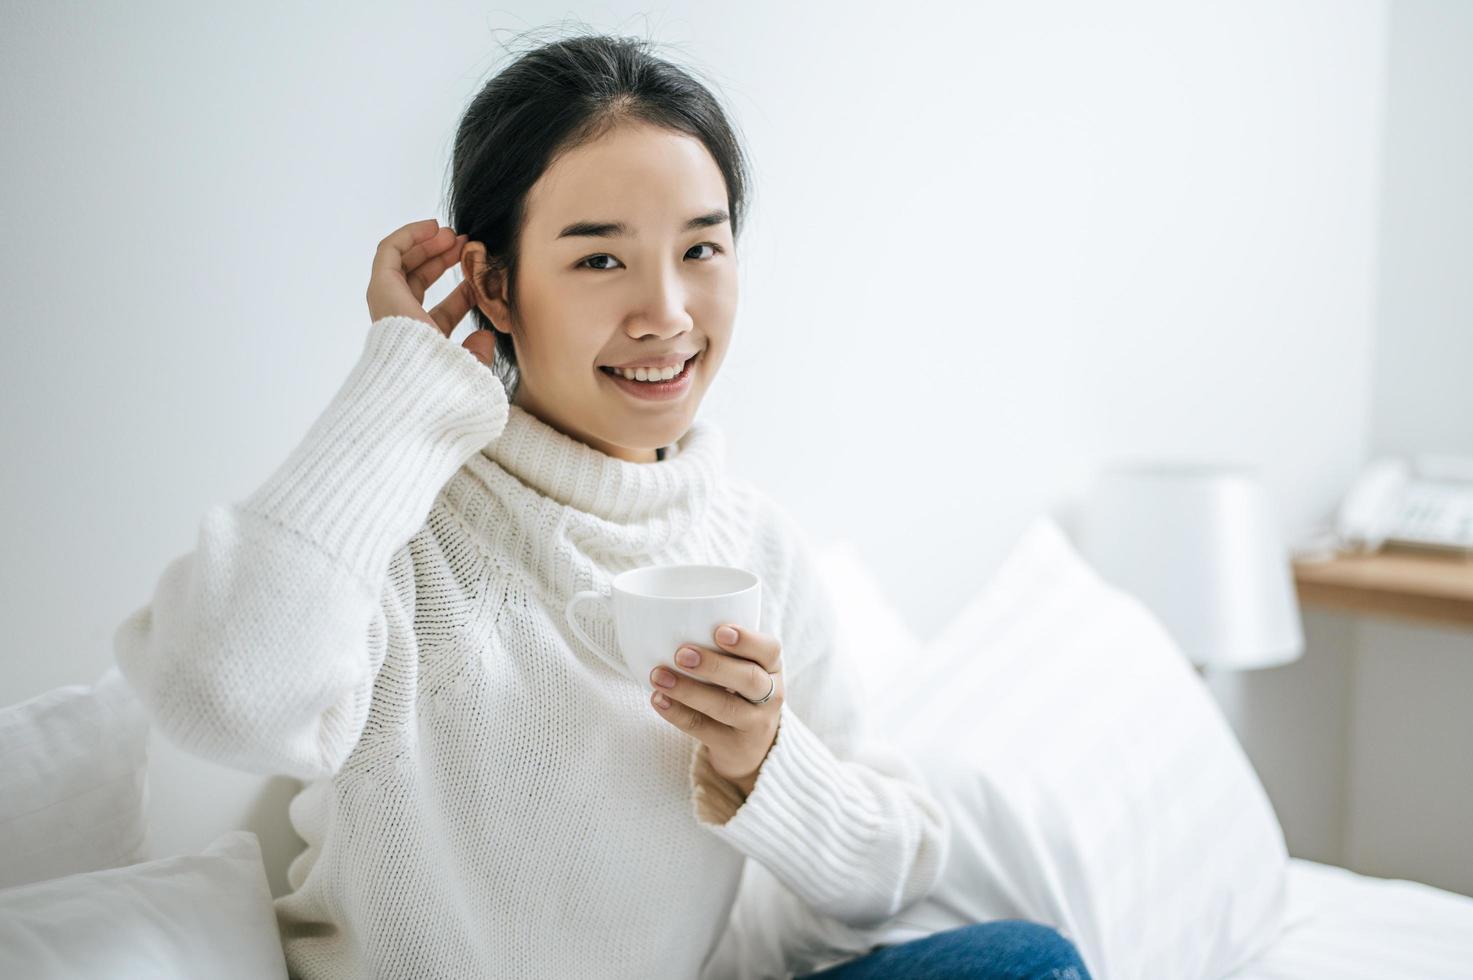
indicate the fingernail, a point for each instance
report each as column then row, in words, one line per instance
column 688, row 657
column 726, row 634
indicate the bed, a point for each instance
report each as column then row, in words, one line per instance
column 1349, row 926
column 1093, row 786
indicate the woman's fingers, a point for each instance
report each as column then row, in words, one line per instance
column 411, row 260
column 422, row 245
column 431, row 265
column 396, row 252
column 448, row 313
column 482, row 343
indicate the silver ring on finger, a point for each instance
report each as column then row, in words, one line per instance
column 772, row 678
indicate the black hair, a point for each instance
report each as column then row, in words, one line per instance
column 556, row 98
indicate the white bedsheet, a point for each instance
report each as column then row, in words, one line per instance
column 1346, row 926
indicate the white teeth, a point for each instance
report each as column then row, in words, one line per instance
column 650, row 374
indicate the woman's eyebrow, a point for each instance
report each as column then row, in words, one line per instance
column 619, row 229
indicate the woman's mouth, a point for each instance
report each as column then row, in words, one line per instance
column 656, row 390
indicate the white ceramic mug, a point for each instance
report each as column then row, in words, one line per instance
column 659, row 608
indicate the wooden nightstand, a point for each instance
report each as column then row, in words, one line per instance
column 1402, row 584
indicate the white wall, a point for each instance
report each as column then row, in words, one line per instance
column 999, row 242
column 1410, row 792
column 1422, row 399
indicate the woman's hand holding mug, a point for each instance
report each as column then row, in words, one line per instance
column 406, row 264
column 731, row 697
column 714, row 700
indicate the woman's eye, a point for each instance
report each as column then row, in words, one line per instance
column 715, row 250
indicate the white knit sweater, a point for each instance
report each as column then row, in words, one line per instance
column 486, row 797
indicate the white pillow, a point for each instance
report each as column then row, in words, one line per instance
column 73, row 781
column 1093, row 784
column 194, row 915
column 872, row 635
column 1105, row 793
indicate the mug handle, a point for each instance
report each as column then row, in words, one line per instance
column 572, row 618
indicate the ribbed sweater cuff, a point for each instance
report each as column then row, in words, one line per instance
column 802, row 814
column 413, row 409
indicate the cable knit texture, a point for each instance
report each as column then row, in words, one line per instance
column 485, row 796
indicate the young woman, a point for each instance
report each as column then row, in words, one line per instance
column 383, row 617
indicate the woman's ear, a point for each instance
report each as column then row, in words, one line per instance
column 488, row 284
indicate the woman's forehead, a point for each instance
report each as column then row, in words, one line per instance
column 630, row 183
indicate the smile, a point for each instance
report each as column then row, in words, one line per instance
column 656, row 390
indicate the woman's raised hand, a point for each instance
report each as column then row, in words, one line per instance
column 405, row 265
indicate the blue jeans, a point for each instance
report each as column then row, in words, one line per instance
column 1006, row 949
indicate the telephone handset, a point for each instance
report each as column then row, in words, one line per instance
column 1426, row 504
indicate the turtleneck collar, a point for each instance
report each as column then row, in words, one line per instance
column 577, row 475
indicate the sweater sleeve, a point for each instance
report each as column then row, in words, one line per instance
column 840, row 818
column 260, row 647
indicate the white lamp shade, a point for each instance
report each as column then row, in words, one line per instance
column 1198, row 545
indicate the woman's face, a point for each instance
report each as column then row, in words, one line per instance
column 593, row 296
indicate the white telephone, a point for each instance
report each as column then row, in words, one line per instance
column 1426, row 505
